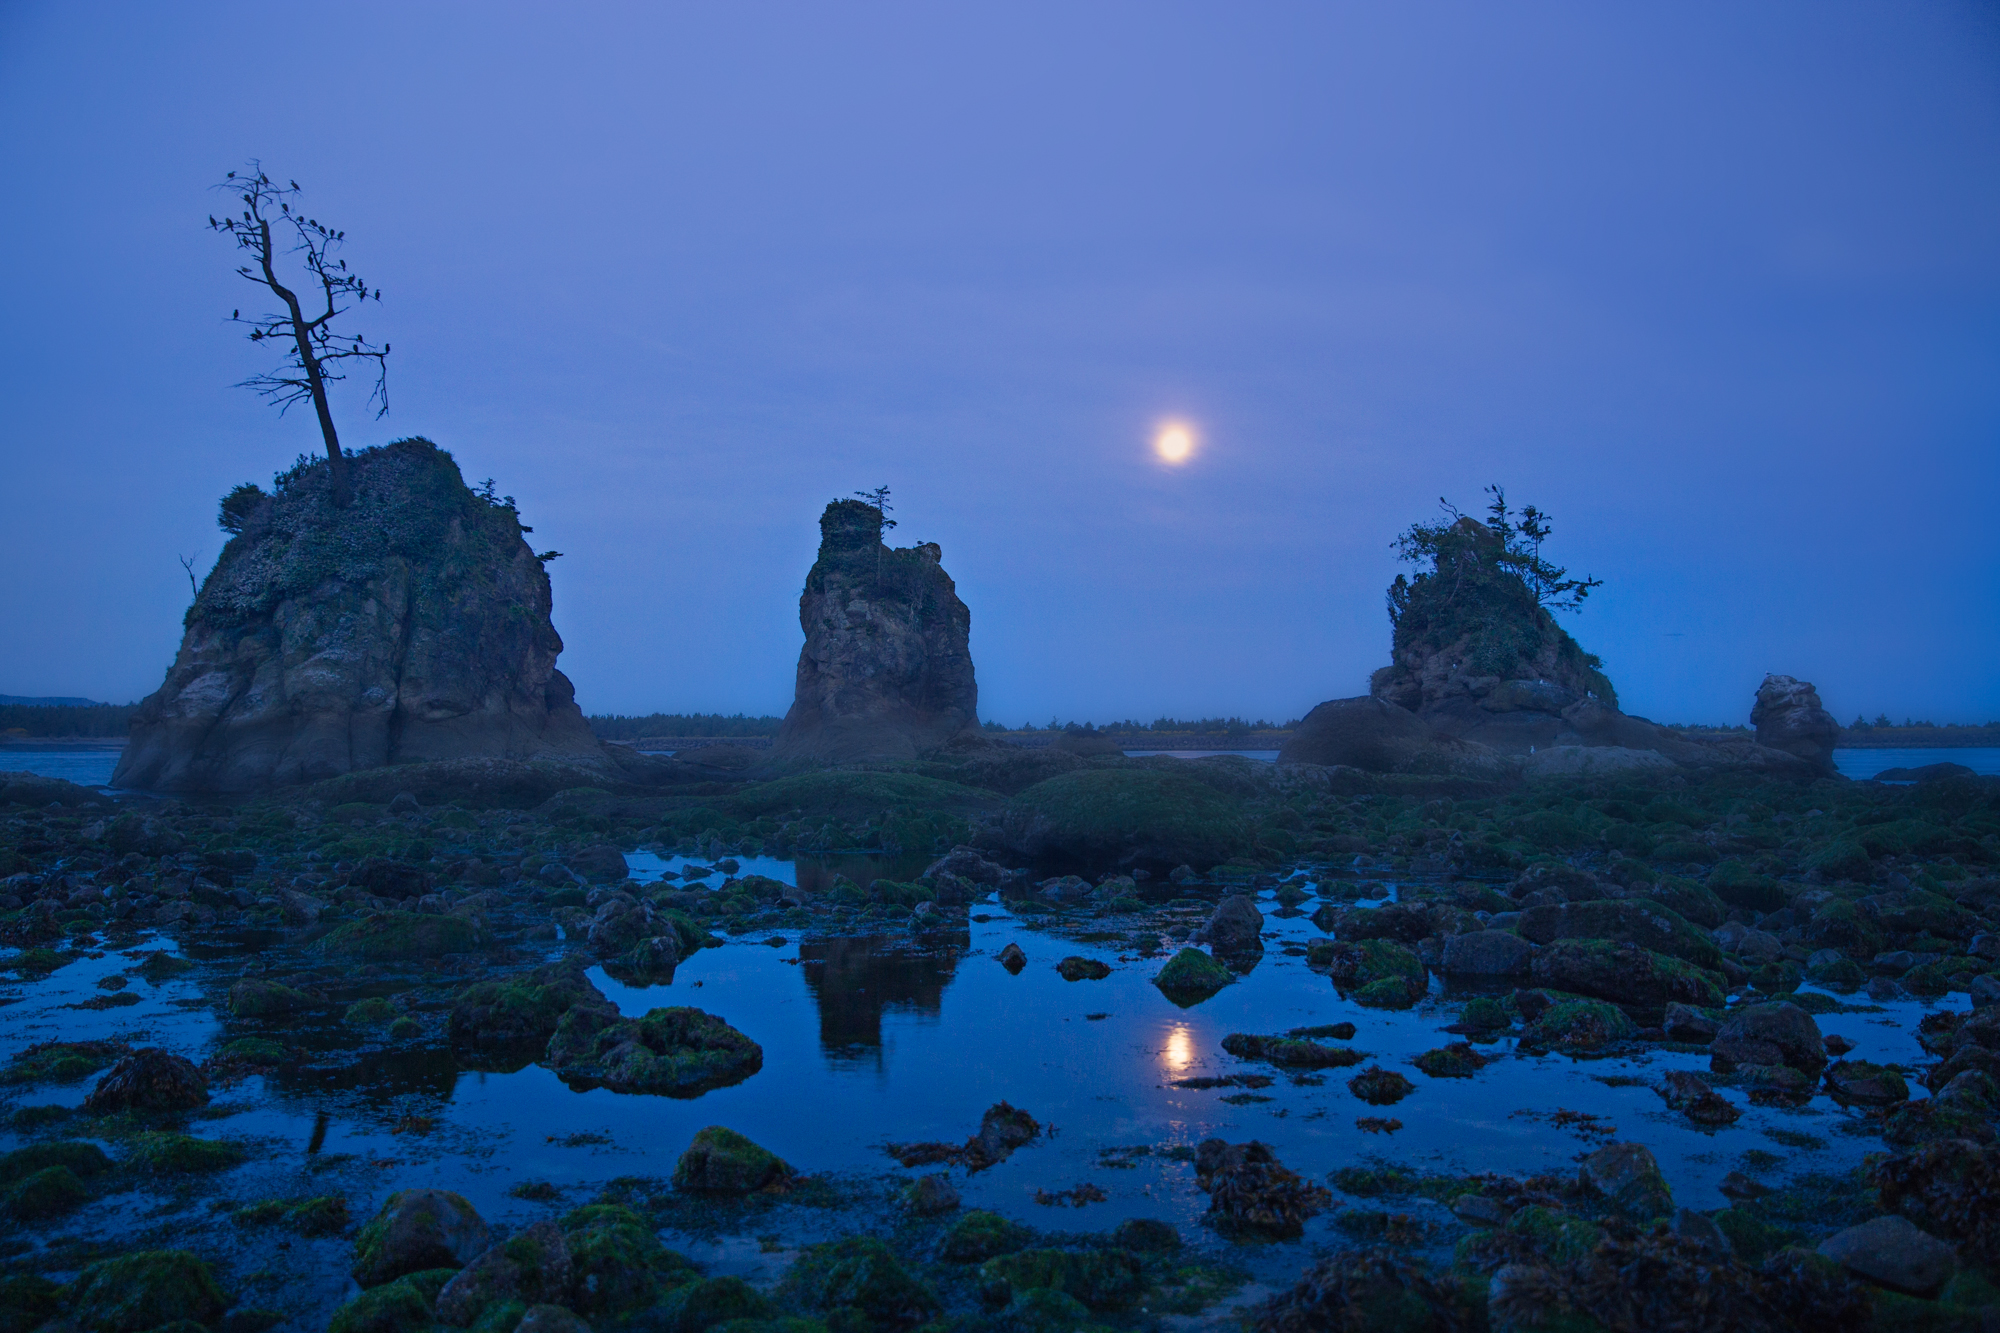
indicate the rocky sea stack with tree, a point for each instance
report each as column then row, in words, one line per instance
column 410, row 624
column 886, row 671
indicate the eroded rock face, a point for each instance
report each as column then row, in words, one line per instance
column 1788, row 717
column 886, row 672
column 411, row 626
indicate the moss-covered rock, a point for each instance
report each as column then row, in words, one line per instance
column 1376, row 1291
column 1639, row 921
column 27, row 1301
column 1191, row 976
column 252, row 998
column 417, row 1230
column 143, row 1290
column 1120, row 816
column 149, row 1079
column 80, row 1158
column 407, row 1305
column 60, row 1061
column 1578, row 1027
column 1625, row 974
column 707, row 1303
column 677, row 1052
column 1457, row 1060
column 519, row 1015
column 182, row 1154
column 1291, row 1052
column 49, row 1192
column 391, row 936
column 617, row 1264
column 1380, row 1087
column 721, row 1161
column 979, row 1235
column 858, row 1283
column 1078, row 968
column 1379, row 973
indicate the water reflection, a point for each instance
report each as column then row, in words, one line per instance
column 1178, row 1053
column 854, row 981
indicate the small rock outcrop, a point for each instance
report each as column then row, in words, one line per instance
column 411, row 625
column 1788, row 717
column 886, row 672
column 1383, row 737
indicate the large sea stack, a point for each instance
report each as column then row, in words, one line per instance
column 886, row 672
column 411, row 625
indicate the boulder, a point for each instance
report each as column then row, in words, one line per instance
column 1621, row 921
column 146, row 1289
column 532, row 1266
column 410, row 625
column 932, row 1196
column 1893, row 1251
column 1235, row 927
column 1788, row 717
column 1380, row 737
column 1487, row 953
column 886, row 671
column 149, row 1079
column 417, row 1230
column 721, row 1161
column 1191, row 976
column 966, row 863
column 1770, row 1034
column 1625, row 974
column 1685, row 1023
column 518, row 1015
column 1629, row 1176
column 680, row 1052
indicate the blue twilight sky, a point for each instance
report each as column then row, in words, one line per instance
column 1717, row 284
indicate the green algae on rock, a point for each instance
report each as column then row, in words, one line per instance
column 518, row 1015
column 49, row 1192
column 391, row 936
column 858, row 1283
column 721, row 1161
column 417, row 1230
column 676, row 1052
column 1126, row 817
column 1577, row 1027
column 1191, row 976
column 1101, row 1279
column 1291, row 1052
column 617, row 1264
column 406, row 1305
column 144, row 1290
column 979, row 1235
column 1380, row 1087
column 183, row 1154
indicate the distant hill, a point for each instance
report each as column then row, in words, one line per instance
column 62, row 701
column 55, row 719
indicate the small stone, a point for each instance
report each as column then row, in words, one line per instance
column 1893, row 1252
column 1078, row 968
column 1013, row 959
column 1629, row 1175
column 1480, row 1211
column 1700, row 1229
column 932, row 1195
column 1838, row 1045
column 1235, row 927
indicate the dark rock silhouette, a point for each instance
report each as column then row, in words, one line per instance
column 1788, row 717
column 1374, row 734
column 411, row 626
column 886, row 672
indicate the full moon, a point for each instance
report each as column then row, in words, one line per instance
column 1174, row 443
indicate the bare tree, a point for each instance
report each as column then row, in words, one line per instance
column 314, row 352
column 187, row 563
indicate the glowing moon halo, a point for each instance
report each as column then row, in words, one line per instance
column 1174, row 443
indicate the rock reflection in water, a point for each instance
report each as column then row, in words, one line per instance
column 854, row 981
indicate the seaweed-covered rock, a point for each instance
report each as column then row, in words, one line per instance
column 886, row 671
column 979, row 1235
column 931, row 1196
column 721, row 1161
column 617, row 1264
column 1688, row 1094
column 144, row 1290
column 1002, row 1129
column 1079, row 968
column 149, row 1079
column 49, row 1192
column 1629, row 1176
column 1457, row 1060
column 1381, row 973
column 1249, row 1188
column 181, row 1154
column 1290, row 1052
column 1235, row 927
column 410, row 625
column 252, row 998
column 1191, row 976
column 520, row 1014
column 390, row 936
column 1863, row 1083
column 1106, row 1279
column 417, row 1230
column 1128, row 817
column 708, row 1303
column 1625, row 974
column 858, row 1282
column 678, row 1052
column 1365, row 1291
column 1770, row 1034
column 1579, row 1027
column 1380, row 1087
column 549, row 1319
column 1621, row 921
column 407, row 1305
column 532, row 1266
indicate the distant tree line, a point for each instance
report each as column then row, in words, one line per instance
column 1132, row 726
column 618, row 727
column 97, row 720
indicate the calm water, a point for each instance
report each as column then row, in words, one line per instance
column 1867, row 763
column 88, row 768
column 868, row 1041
